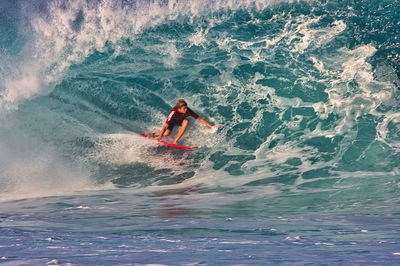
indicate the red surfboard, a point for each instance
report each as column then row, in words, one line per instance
column 182, row 147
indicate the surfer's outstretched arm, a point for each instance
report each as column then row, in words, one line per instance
column 204, row 122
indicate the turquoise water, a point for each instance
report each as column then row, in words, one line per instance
column 305, row 166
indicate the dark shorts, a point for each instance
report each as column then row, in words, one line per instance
column 174, row 123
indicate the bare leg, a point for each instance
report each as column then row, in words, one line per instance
column 166, row 133
column 181, row 130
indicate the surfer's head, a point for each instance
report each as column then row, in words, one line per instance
column 181, row 105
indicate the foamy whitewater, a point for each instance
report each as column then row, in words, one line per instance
column 305, row 168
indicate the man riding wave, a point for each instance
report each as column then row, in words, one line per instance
column 178, row 117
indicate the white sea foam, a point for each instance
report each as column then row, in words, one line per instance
column 32, row 168
column 390, row 126
column 68, row 42
column 71, row 30
column 25, row 84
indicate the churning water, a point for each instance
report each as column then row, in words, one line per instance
column 304, row 169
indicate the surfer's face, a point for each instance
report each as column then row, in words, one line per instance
column 182, row 110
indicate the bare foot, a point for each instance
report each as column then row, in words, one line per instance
column 148, row 134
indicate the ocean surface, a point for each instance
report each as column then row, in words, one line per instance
column 304, row 170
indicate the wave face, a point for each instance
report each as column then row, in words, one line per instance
column 306, row 93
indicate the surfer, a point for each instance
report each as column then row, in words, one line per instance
column 178, row 117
